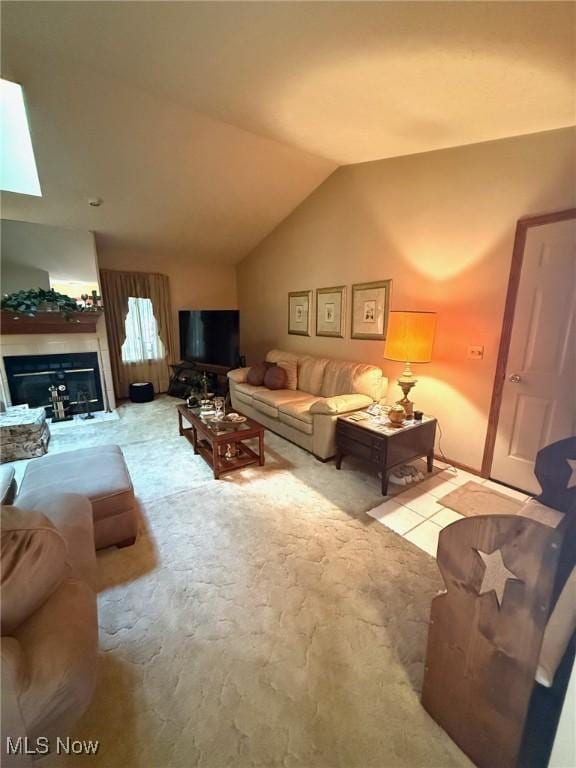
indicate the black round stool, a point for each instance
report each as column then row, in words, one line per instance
column 142, row 392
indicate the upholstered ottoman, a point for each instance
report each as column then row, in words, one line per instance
column 141, row 392
column 100, row 474
column 24, row 433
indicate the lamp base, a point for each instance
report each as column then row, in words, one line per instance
column 406, row 385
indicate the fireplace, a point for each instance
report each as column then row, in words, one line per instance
column 30, row 377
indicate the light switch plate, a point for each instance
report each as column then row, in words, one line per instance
column 475, row 353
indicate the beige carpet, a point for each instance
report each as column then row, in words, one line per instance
column 473, row 499
column 261, row 620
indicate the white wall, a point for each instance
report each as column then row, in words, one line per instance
column 21, row 277
column 66, row 254
column 441, row 226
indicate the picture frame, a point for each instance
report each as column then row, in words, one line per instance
column 331, row 311
column 299, row 312
column 370, row 306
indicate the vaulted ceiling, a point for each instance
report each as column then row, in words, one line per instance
column 203, row 124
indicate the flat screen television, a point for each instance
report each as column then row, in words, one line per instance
column 210, row 336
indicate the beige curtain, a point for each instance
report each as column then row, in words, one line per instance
column 117, row 288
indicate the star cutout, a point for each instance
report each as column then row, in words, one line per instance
column 496, row 575
column 572, row 478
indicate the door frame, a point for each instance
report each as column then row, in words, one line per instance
column 522, row 227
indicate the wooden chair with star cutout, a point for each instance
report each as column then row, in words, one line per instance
column 490, row 633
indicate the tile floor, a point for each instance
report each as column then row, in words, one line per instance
column 417, row 514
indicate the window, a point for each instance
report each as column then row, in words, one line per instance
column 142, row 341
column 17, row 165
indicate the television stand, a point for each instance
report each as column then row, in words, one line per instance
column 184, row 378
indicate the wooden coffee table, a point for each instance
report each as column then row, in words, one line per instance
column 222, row 446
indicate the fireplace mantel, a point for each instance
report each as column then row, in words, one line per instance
column 48, row 322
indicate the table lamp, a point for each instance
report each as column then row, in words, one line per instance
column 409, row 339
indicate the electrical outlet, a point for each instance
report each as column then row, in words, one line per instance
column 475, row 353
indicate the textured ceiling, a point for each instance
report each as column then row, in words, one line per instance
column 203, row 125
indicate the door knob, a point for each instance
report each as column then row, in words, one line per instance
column 514, row 378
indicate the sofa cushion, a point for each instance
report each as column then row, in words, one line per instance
column 247, row 389
column 344, row 378
column 32, row 564
column 297, row 414
column 275, row 378
column 299, row 409
column 243, row 399
column 278, row 397
column 268, row 400
column 267, row 410
column 340, row 404
column 275, row 355
column 71, row 514
column 291, row 368
column 310, row 374
column 301, row 426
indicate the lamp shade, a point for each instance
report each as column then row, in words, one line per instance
column 410, row 336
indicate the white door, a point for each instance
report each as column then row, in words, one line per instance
column 539, row 397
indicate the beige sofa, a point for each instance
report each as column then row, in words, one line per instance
column 307, row 415
column 49, row 623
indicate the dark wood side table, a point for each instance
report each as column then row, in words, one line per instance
column 386, row 447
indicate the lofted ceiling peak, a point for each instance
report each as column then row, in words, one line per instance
column 202, row 125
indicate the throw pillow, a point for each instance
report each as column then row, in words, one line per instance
column 311, row 374
column 256, row 374
column 275, row 378
column 291, row 368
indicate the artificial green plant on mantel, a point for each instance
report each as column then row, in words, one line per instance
column 39, row 300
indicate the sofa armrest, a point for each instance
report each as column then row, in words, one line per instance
column 34, row 564
column 7, row 484
column 13, row 682
column 238, row 375
column 332, row 406
column 71, row 515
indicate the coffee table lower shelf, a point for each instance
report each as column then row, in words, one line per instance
column 213, row 446
column 220, row 463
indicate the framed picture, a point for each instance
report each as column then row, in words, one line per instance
column 370, row 302
column 330, row 311
column 299, row 310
